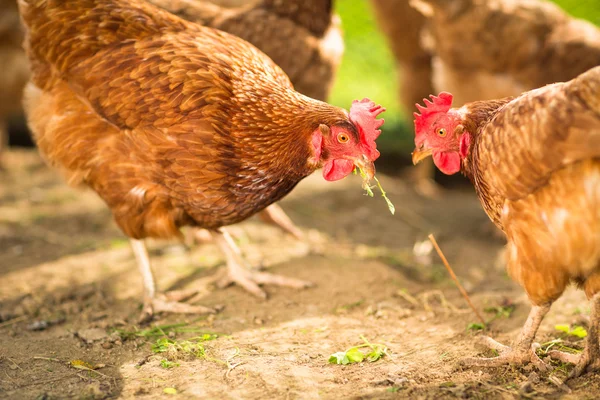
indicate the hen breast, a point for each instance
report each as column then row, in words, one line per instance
column 554, row 234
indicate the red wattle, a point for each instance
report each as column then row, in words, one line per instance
column 447, row 162
column 334, row 170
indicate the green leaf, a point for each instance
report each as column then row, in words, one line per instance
column 170, row 390
column 475, row 326
column 162, row 345
column 355, row 355
column 339, row 358
column 577, row 331
column 168, row 364
column 377, row 353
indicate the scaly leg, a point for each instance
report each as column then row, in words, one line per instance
column 524, row 351
column 238, row 272
column 590, row 358
column 276, row 216
column 168, row 302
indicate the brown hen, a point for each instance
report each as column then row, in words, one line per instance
column 176, row 124
column 535, row 163
column 302, row 37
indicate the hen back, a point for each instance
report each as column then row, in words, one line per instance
column 536, row 167
column 303, row 37
column 505, row 47
column 169, row 122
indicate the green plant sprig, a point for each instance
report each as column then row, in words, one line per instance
column 355, row 355
column 367, row 186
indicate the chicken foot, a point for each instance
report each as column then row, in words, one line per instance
column 238, row 272
column 161, row 302
column 523, row 352
column 589, row 359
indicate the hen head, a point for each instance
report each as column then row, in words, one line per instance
column 341, row 148
column 439, row 133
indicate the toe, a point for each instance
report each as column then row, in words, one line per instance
column 493, row 344
column 564, row 356
column 160, row 305
column 265, row 278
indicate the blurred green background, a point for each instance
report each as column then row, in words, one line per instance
column 368, row 69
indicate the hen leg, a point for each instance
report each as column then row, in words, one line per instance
column 159, row 302
column 238, row 272
column 276, row 216
column 523, row 352
column 273, row 215
column 590, row 358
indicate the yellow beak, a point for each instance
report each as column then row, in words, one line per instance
column 419, row 154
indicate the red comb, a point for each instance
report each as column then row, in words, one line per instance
column 441, row 104
column 364, row 114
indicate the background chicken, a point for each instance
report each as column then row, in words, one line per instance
column 504, row 47
column 176, row 124
column 535, row 164
column 13, row 66
column 402, row 25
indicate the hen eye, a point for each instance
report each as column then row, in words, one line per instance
column 343, row 138
column 441, row 132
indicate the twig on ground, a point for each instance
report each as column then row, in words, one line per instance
column 455, row 279
column 13, row 321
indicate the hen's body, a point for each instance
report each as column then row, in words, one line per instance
column 175, row 124
column 505, row 47
column 535, row 164
column 536, row 167
column 151, row 138
column 302, row 37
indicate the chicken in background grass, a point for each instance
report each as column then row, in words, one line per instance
column 483, row 50
column 14, row 70
column 176, row 124
column 535, row 163
column 402, row 26
column 303, row 37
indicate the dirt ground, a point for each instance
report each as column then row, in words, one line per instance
column 70, row 290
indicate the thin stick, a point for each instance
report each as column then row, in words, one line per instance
column 13, row 321
column 455, row 279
